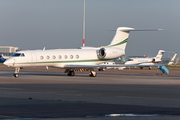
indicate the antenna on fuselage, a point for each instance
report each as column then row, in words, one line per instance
column 84, row 26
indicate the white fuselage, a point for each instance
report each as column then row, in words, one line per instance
column 145, row 61
column 57, row 57
column 112, row 63
column 141, row 61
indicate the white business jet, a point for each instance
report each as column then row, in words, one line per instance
column 110, row 63
column 71, row 59
column 146, row 61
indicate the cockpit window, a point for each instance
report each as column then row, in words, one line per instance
column 18, row 54
column 130, row 59
column 22, row 55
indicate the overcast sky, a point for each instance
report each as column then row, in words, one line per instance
column 34, row 24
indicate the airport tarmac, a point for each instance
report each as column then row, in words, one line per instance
column 40, row 93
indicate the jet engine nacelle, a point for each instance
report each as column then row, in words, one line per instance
column 156, row 60
column 109, row 53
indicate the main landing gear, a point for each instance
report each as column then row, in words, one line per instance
column 16, row 72
column 70, row 72
column 92, row 74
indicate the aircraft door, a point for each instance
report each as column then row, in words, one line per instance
column 14, row 62
column 33, row 57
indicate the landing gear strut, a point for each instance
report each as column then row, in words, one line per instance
column 16, row 72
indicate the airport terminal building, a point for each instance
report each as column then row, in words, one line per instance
column 8, row 50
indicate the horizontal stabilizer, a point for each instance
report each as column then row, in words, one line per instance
column 133, row 29
column 121, row 37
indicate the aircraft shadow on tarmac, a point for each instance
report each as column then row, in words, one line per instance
column 43, row 74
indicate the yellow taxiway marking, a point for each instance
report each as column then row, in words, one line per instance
column 78, row 94
column 8, row 116
column 147, row 98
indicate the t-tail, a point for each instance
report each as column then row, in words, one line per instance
column 157, row 59
column 160, row 54
column 172, row 60
column 118, row 45
column 121, row 37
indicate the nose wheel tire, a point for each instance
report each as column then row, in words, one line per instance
column 15, row 75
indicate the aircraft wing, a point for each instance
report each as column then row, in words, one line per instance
column 161, row 67
column 104, row 66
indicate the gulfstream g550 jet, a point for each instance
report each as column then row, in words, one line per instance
column 71, row 59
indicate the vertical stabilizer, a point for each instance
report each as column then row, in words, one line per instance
column 160, row 54
column 121, row 37
column 122, row 34
column 172, row 60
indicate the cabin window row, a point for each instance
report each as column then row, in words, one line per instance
column 59, row 57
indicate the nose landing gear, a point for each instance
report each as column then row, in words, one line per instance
column 16, row 72
column 15, row 75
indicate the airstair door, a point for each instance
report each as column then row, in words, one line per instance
column 33, row 58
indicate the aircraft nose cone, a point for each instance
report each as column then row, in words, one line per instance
column 8, row 63
column 5, row 63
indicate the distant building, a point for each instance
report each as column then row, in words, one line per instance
column 8, row 50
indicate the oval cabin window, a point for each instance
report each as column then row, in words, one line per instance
column 65, row 56
column 54, row 57
column 77, row 56
column 41, row 57
column 71, row 56
column 47, row 57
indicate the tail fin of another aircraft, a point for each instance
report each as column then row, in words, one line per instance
column 172, row 60
column 160, row 54
column 122, row 34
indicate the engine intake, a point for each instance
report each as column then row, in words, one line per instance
column 109, row 53
column 102, row 53
column 156, row 60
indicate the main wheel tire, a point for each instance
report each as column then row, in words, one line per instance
column 15, row 75
column 92, row 74
column 71, row 73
